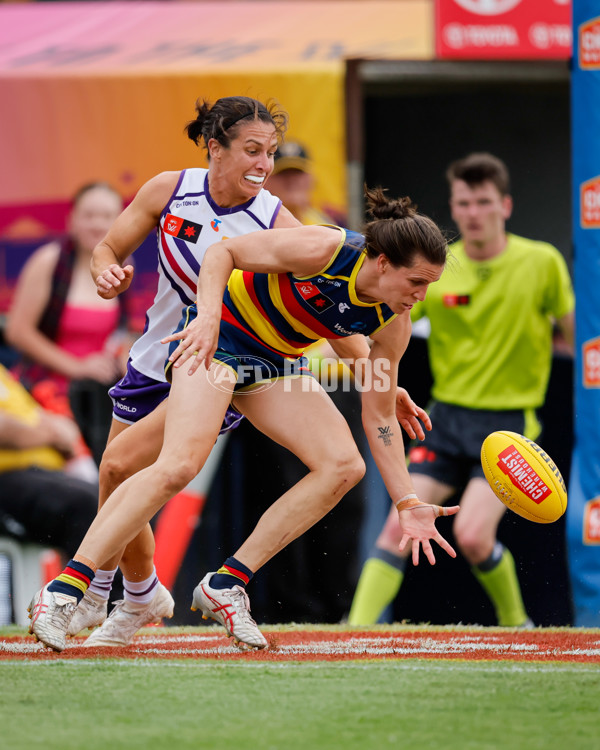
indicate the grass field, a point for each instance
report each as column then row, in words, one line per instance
column 96, row 702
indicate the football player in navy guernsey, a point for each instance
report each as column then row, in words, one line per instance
column 255, row 303
column 189, row 210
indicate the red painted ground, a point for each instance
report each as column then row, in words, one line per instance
column 328, row 644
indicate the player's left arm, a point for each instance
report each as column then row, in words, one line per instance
column 417, row 520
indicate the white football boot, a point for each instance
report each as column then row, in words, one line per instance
column 50, row 613
column 128, row 617
column 91, row 611
column 231, row 608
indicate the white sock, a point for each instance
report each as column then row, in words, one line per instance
column 102, row 583
column 141, row 592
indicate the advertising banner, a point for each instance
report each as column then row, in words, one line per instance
column 503, row 29
column 583, row 510
column 103, row 90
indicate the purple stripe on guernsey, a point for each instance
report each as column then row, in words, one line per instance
column 165, row 210
column 185, row 298
column 192, row 262
column 275, row 215
column 181, row 246
column 143, row 593
column 258, row 221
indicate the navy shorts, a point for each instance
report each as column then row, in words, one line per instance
column 451, row 452
column 253, row 365
column 136, row 395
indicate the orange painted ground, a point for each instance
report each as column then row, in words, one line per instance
column 287, row 644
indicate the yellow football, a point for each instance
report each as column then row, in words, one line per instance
column 523, row 476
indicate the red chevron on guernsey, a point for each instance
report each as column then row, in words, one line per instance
column 249, row 284
column 173, row 264
column 229, row 317
column 294, row 308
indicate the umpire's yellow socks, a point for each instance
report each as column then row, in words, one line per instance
column 501, row 584
column 377, row 587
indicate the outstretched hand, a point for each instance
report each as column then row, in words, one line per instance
column 417, row 523
column 114, row 280
column 198, row 342
column 410, row 415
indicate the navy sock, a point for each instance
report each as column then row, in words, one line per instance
column 73, row 581
column 231, row 573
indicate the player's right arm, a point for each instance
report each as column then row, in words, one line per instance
column 128, row 232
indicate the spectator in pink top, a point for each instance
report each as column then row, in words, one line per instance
column 64, row 331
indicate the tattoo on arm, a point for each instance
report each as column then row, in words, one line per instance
column 385, row 434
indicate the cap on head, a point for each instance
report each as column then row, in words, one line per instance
column 291, row 155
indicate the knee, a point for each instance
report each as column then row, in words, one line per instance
column 474, row 543
column 173, row 477
column 114, row 470
column 347, row 468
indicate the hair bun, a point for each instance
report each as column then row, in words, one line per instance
column 381, row 207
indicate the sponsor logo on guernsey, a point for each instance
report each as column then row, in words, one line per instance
column 522, row 475
column 456, row 300
column 124, row 407
column 215, row 224
column 589, row 44
column 342, row 330
column 313, row 296
column 590, row 203
column 591, row 522
column 182, row 228
column 591, row 363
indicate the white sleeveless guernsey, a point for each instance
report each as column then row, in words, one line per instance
column 190, row 222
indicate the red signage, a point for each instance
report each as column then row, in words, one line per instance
column 590, row 357
column 503, row 29
column 589, row 45
column 590, row 203
column 591, row 522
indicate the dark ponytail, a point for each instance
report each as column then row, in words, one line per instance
column 223, row 119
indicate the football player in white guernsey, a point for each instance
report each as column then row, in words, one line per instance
column 189, row 210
